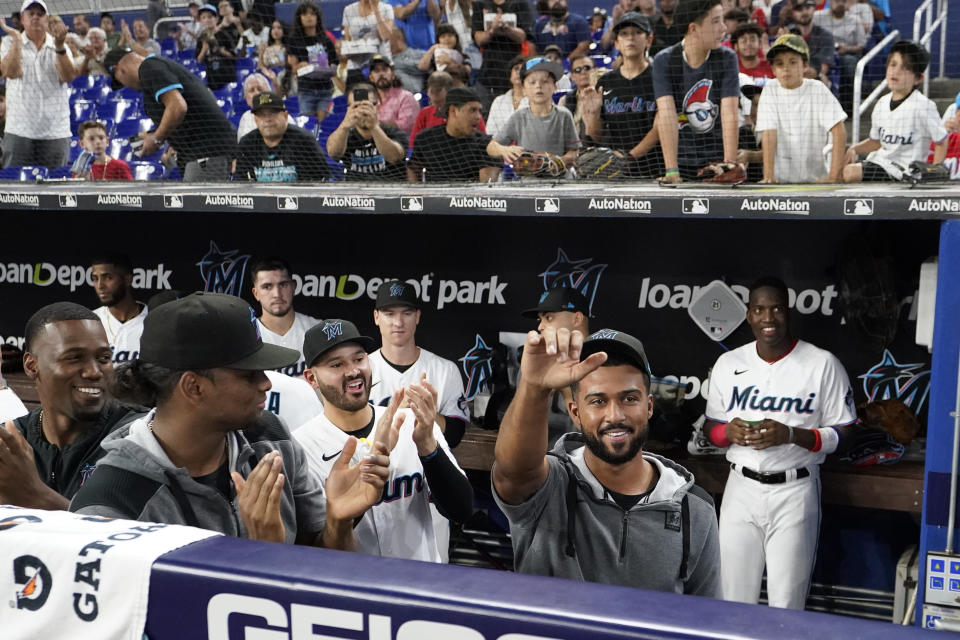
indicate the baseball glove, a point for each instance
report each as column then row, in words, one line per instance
column 723, row 173
column 540, row 164
column 923, row 172
column 601, row 163
column 893, row 416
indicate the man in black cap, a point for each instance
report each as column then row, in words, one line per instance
column 184, row 111
column 627, row 517
column 400, row 362
column 46, row 455
column 277, row 151
column 422, row 468
column 457, row 151
column 209, row 456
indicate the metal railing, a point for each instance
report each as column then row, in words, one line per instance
column 858, row 108
column 926, row 10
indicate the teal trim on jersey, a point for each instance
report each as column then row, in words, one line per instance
column 169, row 87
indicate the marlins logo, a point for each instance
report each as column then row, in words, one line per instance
column 698, row 111
column 604, row 334
column 253, row 321
column 396, row 290
column 35, row 581
column 333, row 329
column 223, row 271
column 890, row 379
column 576, row 274
column 477, row 367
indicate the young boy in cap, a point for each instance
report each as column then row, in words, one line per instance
column 457, row 151
column 542, row 126
column 903, row 123
column 793, row 118
column 209, row 456
column 422, row 469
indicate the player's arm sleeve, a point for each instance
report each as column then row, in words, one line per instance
column 838, row 405
column 451, row 491
column 661, row 75
column 703, row 563
column 731, row 74
column 554, row 488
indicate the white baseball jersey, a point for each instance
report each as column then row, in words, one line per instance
column 292, row 339
column 905, row 133
column 401, row 524
column 124, row 337
column 293, row 400
column 802, row 118
column 442, row 374
column 807, row 388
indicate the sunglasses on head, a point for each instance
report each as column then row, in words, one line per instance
column 583, row 68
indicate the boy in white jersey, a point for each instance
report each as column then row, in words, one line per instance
column 903, row 123
column 794, row 116
column 421, row 465
column 400, row 362
column 121, row 315
column 273, row 287
column 780, row 404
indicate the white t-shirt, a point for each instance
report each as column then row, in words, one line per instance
column 124, row 337
column 905, row 133
column 257, row 39
column 292, row 339
column 366, row 29
column 802, row 118
column 401, row 524
column 442, row 374
column 501, row 110
column 38, row 104
column 807, row 388
column 293, row 400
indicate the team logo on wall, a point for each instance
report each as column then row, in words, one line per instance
column 477, row 366
column 696, row 206
column 582, row 275
column 223, row 271
column 888, row 379
column 34, row 580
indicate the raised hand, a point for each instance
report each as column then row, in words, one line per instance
column 551, row 360
column 352, row 489
column 258, row 498
column 422, row 400
column 388, row 427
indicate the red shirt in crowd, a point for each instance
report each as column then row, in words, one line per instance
column 762, row 70
column 113, row 169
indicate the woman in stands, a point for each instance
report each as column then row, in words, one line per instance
column 446, row 54
column 312, row 55
column 273, row 58
column 504, row 105
column 369, row 24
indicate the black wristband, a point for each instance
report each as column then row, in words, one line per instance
column 60, row 52
column 431, row 456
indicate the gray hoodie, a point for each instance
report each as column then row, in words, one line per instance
column 136, row 480
column 666, row 543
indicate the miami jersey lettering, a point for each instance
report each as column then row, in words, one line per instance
column 124, row 337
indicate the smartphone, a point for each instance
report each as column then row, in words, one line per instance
column 361, row 95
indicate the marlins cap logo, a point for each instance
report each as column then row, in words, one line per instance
column 604, row 334
column 396, row 290
column 333, row 329
column 263, row 98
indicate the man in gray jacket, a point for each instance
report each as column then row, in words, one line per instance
column 209, row 456
column 597, row 507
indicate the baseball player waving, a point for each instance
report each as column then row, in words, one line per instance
column 781, row 405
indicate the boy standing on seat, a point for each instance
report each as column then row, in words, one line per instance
column 793, row 118
column 903, row 123
column 94, row 163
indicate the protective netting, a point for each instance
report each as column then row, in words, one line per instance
column 363, row 92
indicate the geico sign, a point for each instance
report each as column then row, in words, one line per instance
column 300, row 622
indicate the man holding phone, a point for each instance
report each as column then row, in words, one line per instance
column 368, row 149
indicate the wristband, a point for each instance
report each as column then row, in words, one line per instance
column 430, row 456
column 671, row 172
column 818, row 441
column 827, row 439
column 60, row 52
column 718, row 435
column 790, row 439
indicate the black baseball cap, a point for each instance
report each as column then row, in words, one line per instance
column 397, row 292
column 458, row 96
column 111, row 60
column 328, row 334
column 208, row 331
column 379, row 59
column 559, row 299
column 633, row 19
column 614, row 342
column 555, row 69
column 268, row 100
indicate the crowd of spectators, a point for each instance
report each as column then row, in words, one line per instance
column 617, row 79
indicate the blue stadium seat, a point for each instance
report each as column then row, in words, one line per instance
column 89, row 82
column 73, row 152
column 234, row 119
column 249, row 63
column 293, row 106
column 82, row 110
column 133, row 126
column 307, row 123
column 422, row 98
column 226, row 105
column 118, row 110
column 186, row 56
column 109, row 125
column 143, row 170
column 61, row 172
column 175, row 174
column 242, row 75
column 226, row 91
column 123, row 93
column 95, row 94
column 10, row 173
column 168, row 47
column 31, row 174
column 120, row 148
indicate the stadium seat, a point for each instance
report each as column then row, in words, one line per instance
column 82, row 110
column 94, row 94
column 174, row 174
column 109, row 125
column 89, row 82
column 133, row 126
column 143, row 170
column 293, row 106
column 168, row 47
column 186, row 56
column 249, row 63
column 73, row 152
column 118, row 110
column 120, row 148
column 242, row 75
column 226, row 105
column 307, row 123
column 31, row 174
column 234, row 119
column 422, row 98
column 123, row 93
column 226, row 91
column 61, row 172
